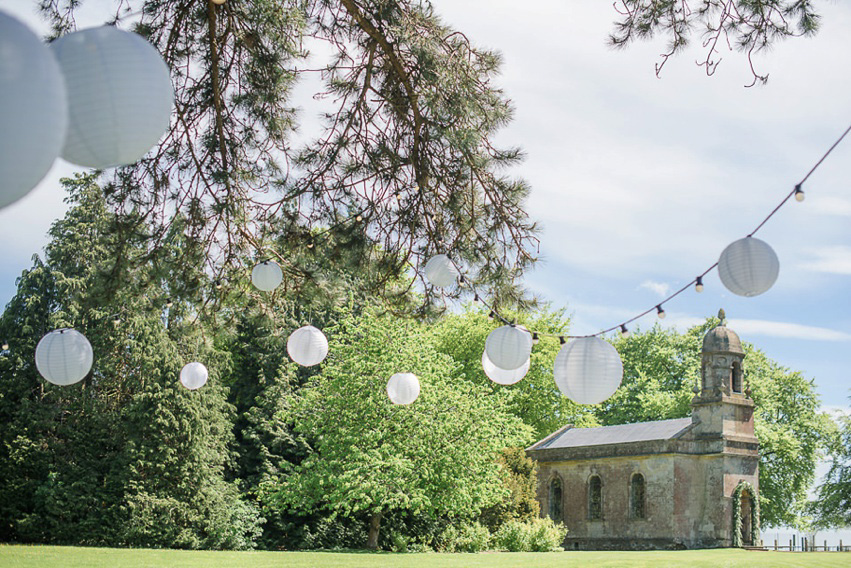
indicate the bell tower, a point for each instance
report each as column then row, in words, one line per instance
column 722, row 406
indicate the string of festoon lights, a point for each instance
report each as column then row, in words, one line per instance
column 102, row 97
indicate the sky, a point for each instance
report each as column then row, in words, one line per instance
column 640, row 182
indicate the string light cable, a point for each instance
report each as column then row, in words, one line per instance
column 797, row 193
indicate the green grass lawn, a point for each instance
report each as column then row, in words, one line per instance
column 12, row 556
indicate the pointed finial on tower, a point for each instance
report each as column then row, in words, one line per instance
column 722, row 316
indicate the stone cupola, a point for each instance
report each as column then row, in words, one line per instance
column 722, row 402
column 721, row 363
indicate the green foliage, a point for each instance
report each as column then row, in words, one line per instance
column 662, row 366
column 127, row 455
column 519, row 476
column 532, row 535
column 737, row 513
column 466, row 537
column 832, row 507
column 435, row 456
column 535, row 399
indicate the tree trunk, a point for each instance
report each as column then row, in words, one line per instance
column 374, row 524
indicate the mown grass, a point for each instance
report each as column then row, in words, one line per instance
column 14, row 556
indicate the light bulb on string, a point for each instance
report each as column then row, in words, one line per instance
column 218, row 284
column 624, row 331
column 5, row 346
column 799, row 193
column 698, row 284
column 491, row 315
column 169, row 303
column 535, row 338
column 561, row 340
column 359, row 218
column 660, row 312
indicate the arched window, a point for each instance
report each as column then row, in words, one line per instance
column 737, row 376
column 595, row 498
column 555, row 500
column 636, row 496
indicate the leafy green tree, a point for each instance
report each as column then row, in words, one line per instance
column 535, row 399
column 662, row 366
column 832, row 507
column 436, row 456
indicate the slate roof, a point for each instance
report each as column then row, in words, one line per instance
column 621, row 434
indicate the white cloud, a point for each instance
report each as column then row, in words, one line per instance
column 661, row 289
column 831, row 205
column 787, row 330
column 832, row 260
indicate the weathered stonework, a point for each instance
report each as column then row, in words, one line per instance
column 689, row 469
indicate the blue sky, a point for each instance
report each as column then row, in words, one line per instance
column 640, row 182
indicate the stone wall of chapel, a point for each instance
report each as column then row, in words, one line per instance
column 615, row 473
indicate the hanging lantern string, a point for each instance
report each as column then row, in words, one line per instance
column 797, row 192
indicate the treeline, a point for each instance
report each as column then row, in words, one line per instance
column 272, row 455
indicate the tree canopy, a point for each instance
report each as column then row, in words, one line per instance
column 370, row 457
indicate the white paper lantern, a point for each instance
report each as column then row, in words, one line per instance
column 501, row 376
column 440, row 271
column 748, row 267
column 33, row 110
column 267, row 276
column 307, row 346
column 64, row 357
column 194, row 375
column 588, row 370
column 508, row 347
column 119, row 96
column 403, row 388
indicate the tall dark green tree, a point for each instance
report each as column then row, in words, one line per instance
column 127, row 456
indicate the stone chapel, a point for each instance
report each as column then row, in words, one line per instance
column 684, row 483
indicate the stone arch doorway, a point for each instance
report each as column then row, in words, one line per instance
column 745, row 527
column 746, row 523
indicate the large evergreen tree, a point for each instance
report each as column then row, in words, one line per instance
column 127, row 456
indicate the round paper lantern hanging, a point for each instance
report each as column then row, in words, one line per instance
column 440, row 271
column 194, row 375
column 307, row 346
column 403, row 388
column 501, row 376
column 33, row 110
column 64, row 357
column 267, row 275
column 119, row 96
column 508, row 347
column 588, row 370
column 748, row 267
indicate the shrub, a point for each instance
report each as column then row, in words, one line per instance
column 466, row 538
column 534, row 535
